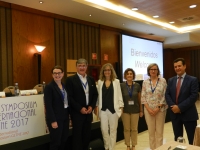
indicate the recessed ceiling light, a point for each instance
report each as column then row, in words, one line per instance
column 90, row 15
column 193, row 6
column 123, row 24
column 135, row 8
column 41, row 2
column 156, row 16
column 172, row 22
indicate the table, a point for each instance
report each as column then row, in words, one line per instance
column 197, row 136
column 173, row 144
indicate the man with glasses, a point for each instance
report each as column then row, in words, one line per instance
column 82, row 97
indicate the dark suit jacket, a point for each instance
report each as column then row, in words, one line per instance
column 54, row 102
column 186, row 99
column 77, row 96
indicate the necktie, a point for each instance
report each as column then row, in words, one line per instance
column 178, row 86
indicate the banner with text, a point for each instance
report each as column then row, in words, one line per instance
column 21, row 118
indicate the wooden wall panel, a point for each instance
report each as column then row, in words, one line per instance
column 110, row 45
column 171, row 54
column 27, row 30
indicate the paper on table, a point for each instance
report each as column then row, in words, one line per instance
column 181, row 147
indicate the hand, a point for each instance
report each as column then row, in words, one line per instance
column 175, row 109
column 141, row 114
column 151, row 112
column 83, row 110
column 156, row 110
column 96, row 110
column 89, row 110
column 54, row 125
column 122, row 109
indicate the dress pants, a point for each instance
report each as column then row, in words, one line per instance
column 190, row 127
column 109, row 123
column 81, row 133
column 130, row 123
column 155, row 128
column 59, row 135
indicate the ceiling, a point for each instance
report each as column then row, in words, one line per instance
column 121, row 16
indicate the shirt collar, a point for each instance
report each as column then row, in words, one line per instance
column 183, row 76
column 81, row 77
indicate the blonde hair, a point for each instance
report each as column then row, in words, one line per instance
column 113, row 75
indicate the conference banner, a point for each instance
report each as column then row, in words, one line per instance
column 21, row 118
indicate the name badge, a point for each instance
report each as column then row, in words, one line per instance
column 131, row 102
column 65, row 105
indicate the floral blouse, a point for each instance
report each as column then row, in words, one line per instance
column 156, row 97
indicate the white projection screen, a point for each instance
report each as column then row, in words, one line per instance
column 138, row 53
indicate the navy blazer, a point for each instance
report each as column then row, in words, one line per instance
column 77, row 98
column 54, row 102
column 186, row 99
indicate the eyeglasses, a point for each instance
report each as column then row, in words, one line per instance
column 57, row 73
column 153, row 69
column 107, row 70
column 84, row 66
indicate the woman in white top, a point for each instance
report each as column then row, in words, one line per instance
column 110, row 104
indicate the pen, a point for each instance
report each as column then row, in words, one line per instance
column 169, row 148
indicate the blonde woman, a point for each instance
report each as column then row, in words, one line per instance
column 110, row 104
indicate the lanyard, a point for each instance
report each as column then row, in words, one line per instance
column 63, row 93
column 84, row 85
column 153, row 89
column 130, row 90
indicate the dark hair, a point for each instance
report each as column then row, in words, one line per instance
column 149, row 67
column 57, row 67
column 126, row 72
column 180, row 59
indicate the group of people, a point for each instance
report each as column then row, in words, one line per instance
column 79, row 96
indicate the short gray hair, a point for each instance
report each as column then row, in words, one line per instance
column 81, row 61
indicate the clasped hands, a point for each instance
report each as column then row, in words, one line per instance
column 175, row 109
column 85, row 110
column 154, row 111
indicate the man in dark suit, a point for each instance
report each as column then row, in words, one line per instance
column 182, row 102
column 82, row 97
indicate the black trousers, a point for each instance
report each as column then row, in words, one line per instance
column 59, row 135
column 190, row 127
column 81, row 133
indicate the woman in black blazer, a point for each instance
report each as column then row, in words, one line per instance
column 56, row 104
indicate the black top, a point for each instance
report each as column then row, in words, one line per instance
column 108, row 98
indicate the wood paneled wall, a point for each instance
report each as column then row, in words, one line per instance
column 29, row 30
column 6, row 71
column 74, row 41
column 171, row 54
column 110, row 45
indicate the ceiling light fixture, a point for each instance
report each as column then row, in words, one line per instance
column 90, row 15
column 193, row 6
column 172, row 22
column 156, row 16
column 135, row 8
column 41, row 2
